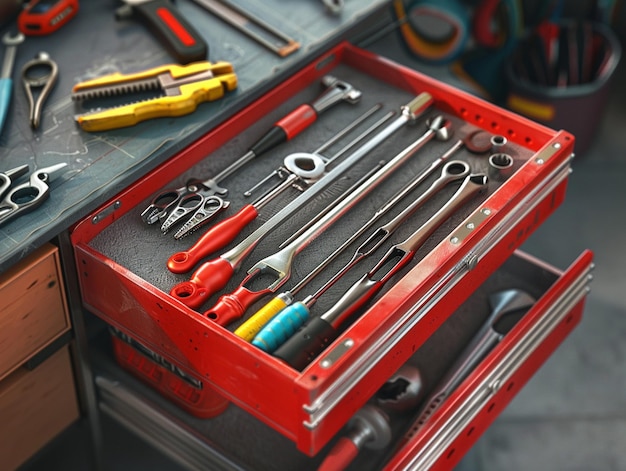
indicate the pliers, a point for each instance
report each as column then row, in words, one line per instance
column 182, row 88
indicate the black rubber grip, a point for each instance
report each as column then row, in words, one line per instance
column 274, row 137
column 167, row 24
column 306, row 344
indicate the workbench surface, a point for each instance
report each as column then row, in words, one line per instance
column 101, row 164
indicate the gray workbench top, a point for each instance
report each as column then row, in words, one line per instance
column 102, row 164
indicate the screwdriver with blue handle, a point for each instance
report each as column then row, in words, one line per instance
column 6, row 81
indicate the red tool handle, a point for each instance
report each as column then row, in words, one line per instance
column 176, row 33
column 217, row 237
column 207, row 280
column 340, row 456
column 286, row 128
column 232, row 306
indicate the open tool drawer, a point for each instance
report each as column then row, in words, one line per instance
column 556, row 300
column 122, row 262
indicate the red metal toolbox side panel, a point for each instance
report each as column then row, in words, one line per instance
column 503, row 391
column 258, row 383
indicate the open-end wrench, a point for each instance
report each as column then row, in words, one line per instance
column 6, row 81
column 213, row 275
column 178, row 201
column 320, row 331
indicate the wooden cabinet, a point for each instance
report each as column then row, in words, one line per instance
column 33, row 309
column 37, row 393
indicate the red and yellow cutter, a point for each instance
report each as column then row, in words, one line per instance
column 181, row 88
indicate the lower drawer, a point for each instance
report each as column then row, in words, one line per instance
column 35, row 405
column 528, row 334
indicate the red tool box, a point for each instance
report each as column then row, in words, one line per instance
column 124, row 280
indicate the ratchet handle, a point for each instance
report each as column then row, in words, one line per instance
column 281, row 327
column 307, row 343
column 217, row 237
column 168, row 25
column 341, row 455
column 232, row 306
column 211, row 277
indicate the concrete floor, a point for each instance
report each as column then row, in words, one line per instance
column 572, row 413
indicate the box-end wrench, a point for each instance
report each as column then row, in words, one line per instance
column 6, row 80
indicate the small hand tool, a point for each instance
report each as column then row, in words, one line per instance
column 29, row 195
column 369, row 428
column 225, row 232
column 510, row 304
column 255, row 28
column 281, row 327
column 183, row 87
column 213, row 275
column 6, row 80
column 33, row 79
column 292, row 317
column 288, row 127
column 42, row 17
column 165, row 21
column 320, row 331
column 278, row 265
column 8, row 178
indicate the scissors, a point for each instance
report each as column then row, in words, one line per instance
column 39, row 73
column 27, row 196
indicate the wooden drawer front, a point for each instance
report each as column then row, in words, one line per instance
column 33, row 309
column 34, row 407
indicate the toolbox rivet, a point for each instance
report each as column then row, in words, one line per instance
column 540, row 161
column 486, row 211
column 454, row 240
column 470, row 226
column 556, row 145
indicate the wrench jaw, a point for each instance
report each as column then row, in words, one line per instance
column 337, row 91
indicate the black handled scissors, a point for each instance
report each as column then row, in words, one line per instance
column 29, row 195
